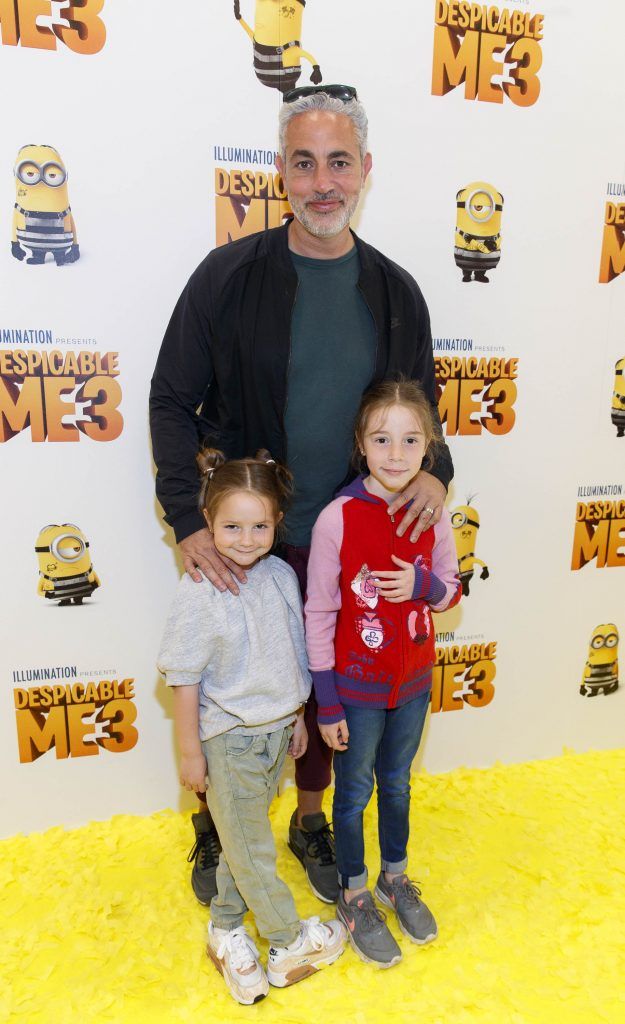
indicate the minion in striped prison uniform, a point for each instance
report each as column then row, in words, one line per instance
column 478, row 230
column 276, row 38
column 601, row 669
column 618, row 398
column 465, row 523
column 42, row 218
column 65, row 570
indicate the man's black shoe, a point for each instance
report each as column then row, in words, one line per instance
column 205, row 854
column 313, row 845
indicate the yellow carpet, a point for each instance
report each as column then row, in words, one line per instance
column 523, row 866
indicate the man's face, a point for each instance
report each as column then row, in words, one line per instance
column 323, row 172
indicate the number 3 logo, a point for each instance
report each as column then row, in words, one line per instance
column 87, row 32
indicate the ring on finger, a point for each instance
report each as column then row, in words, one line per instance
column 429, row 510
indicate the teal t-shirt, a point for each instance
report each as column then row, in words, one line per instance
column 333, row 342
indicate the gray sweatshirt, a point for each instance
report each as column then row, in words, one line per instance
column 247, row 653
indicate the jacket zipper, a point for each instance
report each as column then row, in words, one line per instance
column 286, row 381
column 400, row 678
column 375, row 326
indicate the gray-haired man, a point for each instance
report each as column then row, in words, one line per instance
column 271, row 345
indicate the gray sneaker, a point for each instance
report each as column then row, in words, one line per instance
column 205, row 857
column 313, row 845
column 367, row 930
column 403, row 896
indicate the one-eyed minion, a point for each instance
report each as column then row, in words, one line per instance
column 465, row 522
column 478, row 230
column 65, row 570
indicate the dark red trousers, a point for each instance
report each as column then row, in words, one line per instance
column 313, row 770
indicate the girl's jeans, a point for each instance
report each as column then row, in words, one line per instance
column 383, row 742
column 243, row 773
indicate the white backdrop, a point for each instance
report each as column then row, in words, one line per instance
column 142, row 125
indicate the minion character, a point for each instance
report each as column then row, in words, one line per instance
column 276, row 40
column 618, row 398
column 42, row 218
column 65, row 570
column 465, row 523
column 601, row 670
column 478, row 222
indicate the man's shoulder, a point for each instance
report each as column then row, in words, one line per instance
column 372, row 257
column 227, row 259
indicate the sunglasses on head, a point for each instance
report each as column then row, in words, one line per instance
column 338, row 92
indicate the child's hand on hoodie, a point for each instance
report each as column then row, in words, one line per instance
column 396, row 585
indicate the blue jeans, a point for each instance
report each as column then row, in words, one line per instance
column 383, row 742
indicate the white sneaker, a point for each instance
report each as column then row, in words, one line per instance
column 235, row 956
column 318, row 945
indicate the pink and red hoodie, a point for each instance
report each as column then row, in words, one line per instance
column 363, row 649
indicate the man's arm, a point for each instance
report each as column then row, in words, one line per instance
column 429, row 488
column 423, row 371
column 183, row 374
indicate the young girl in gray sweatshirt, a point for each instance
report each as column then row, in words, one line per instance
column 239, row 667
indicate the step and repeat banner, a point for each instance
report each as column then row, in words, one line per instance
column 139, row 136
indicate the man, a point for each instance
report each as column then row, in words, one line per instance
column 273, row 340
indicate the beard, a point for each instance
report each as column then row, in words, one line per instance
column 325, row 225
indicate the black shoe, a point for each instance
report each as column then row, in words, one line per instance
column 313, row 845
column 205, row 853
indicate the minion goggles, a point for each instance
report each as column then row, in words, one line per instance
column 460, row 519
column 52, row 173
column 61, row 553
column 610, row 640
column 488, row 210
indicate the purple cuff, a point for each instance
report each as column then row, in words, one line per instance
column 427, row 586
column 330, row 707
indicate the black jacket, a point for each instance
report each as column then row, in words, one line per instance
column 221, row 375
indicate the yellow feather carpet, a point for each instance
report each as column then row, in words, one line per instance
column 523, row 866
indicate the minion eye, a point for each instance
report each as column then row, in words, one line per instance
column 480, row 206
column 54, row 175
column 458, row 519
column 28, row 173
column 611, row 640
column 67, row 547
column 597, row 642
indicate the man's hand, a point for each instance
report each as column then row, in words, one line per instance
column 336, row 735
column 428, row 498
column 396, row 585
column 199, row 553
column 299, row 740
column 193, row 773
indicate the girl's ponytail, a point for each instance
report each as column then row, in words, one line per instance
column 284, row 477
column 208, row 460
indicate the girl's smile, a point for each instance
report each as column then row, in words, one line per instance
column 244, row 527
